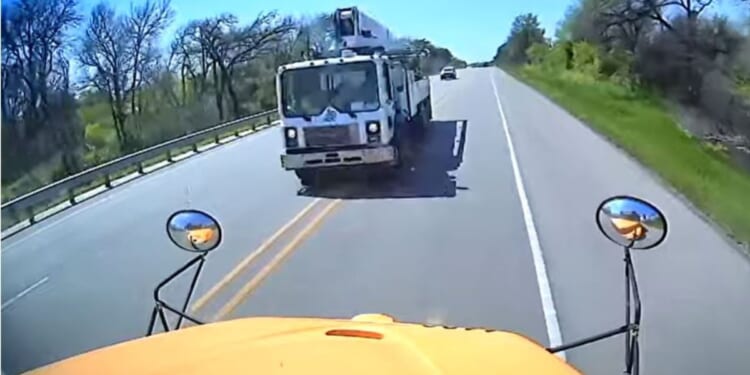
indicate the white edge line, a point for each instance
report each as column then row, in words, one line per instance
column 24, row 292
column 548, row 304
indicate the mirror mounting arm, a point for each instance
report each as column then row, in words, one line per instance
column 592, row 339
column 632, row 325
column 160, row 304
column 632, row 349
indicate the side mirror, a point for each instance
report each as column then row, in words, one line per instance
column 634, row 224
column 631, row 222
column 366, row 33
column 194, row 231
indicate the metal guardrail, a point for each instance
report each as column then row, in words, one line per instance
column 64, row 189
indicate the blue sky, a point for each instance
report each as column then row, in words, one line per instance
column 472, row 30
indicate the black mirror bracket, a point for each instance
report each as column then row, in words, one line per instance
column 160, row 305
column 632, row 326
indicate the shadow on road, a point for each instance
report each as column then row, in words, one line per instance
column 425, row 173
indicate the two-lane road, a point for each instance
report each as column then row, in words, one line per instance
column 454, row 239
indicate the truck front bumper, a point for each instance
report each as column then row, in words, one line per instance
column 370, row 155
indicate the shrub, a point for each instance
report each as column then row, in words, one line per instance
column 586, row 58
column 558, row 57
column 538, row 52
column 100, row 136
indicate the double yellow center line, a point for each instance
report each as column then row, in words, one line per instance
column 247, row 289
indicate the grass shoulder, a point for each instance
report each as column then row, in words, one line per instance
column 639, row 123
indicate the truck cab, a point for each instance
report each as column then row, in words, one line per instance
column 346, row 111
column 349, row 110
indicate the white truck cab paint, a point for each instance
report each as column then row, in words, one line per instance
column 347, row 110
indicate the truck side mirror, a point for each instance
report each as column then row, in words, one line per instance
column 366, row 33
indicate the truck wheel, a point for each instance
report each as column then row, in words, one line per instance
column 398, row 158
column 307, row 177
column 419, row 123
column 428, row 112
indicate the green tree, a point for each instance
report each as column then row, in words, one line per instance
column 525, row 32
column 436, row 57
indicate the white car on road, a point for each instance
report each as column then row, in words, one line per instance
column 448, row 72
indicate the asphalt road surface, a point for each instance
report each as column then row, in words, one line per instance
column 450, row 240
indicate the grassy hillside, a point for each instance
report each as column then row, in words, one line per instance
column 638, row 122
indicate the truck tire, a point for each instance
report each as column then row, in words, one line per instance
column 427, row 111
column 420, row 122
column 398, row 157
column 400, row 132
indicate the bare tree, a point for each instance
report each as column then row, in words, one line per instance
column 210, row 51
column 35, row 83
column 33, row 34
column 104, row 52
column 121, row 54
column 189, row 50
column 210, row 34
column 230, row 46
column 315, row 35
column 144, row 25
column 680, row 19
column 310, row 38
column 189, row 57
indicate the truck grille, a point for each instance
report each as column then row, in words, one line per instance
column 335, row 135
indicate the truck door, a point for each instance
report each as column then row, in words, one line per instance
column 389, row 99
column 401, row 91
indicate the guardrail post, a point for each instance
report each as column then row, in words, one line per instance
column 169, row 156
column 216, row 139
column 140, row 168
column 237, row 133
column 30, row 211
column 107, row 181
column 268, row 120
column 195, row 148
column 72, row 196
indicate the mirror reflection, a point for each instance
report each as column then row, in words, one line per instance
column 632, row 222
column 194, row 231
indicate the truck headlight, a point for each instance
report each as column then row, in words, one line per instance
column 373, row 127
column 373, row 132
column 291, row 133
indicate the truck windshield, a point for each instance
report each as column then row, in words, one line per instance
column 346, row 87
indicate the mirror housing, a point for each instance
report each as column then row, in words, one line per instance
column 194, row 231
column 631, row 222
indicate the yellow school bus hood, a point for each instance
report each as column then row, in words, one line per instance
column 368, row 344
